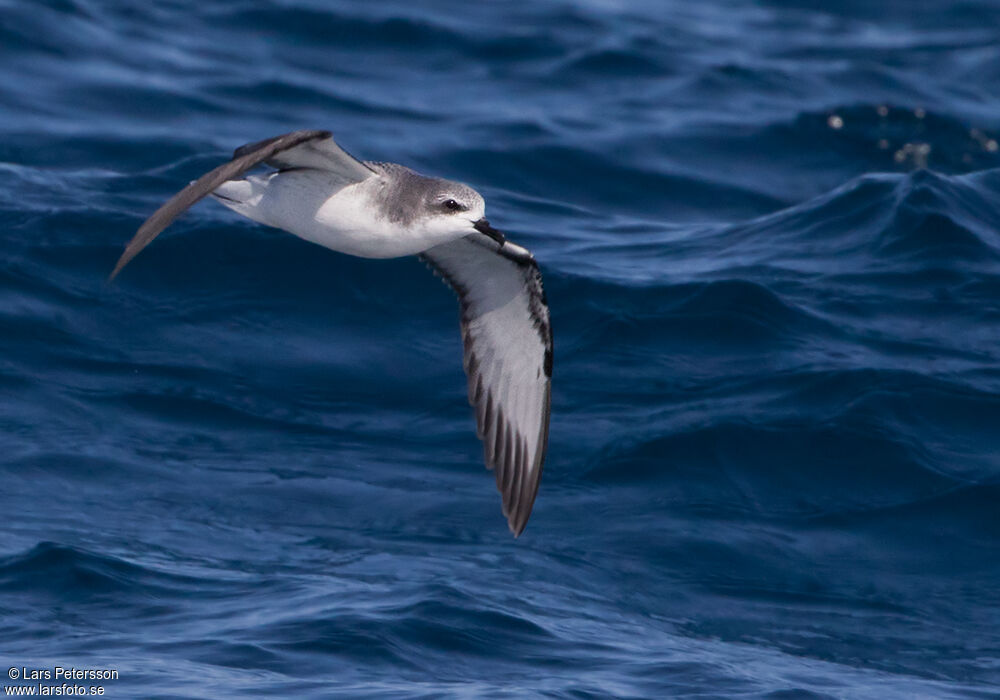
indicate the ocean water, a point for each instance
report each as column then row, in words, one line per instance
column 770, row 237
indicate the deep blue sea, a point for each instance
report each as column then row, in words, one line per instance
column 770, row 237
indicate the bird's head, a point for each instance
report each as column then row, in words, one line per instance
column 451, row 207
column 433, row 209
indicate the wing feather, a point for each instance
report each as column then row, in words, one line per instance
column 507, row 340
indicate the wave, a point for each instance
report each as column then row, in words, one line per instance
column 881, row 224
column 71, row 573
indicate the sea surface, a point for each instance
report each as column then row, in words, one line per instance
column 770, row 237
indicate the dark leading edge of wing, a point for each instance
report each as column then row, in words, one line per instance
column 507, row 341
column 245, row 159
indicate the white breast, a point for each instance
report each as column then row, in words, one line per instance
column 318, row 208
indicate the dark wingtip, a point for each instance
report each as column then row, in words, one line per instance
column 142, row 238
column 122, row 262
column 519, row 518
column 520, row 512
column 517, row 527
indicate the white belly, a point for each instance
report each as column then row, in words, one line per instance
column 300, row 202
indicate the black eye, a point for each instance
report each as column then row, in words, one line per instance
column 451, row 205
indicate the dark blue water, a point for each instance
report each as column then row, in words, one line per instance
column 770, row 236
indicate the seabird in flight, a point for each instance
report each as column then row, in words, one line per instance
column 321, row 193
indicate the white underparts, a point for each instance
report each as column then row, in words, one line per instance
column 318, row 207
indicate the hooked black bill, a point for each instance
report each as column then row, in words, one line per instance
column 483, row 226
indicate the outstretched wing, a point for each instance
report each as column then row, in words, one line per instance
column 299, row 149
column 508, row 359
column 319, row 154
